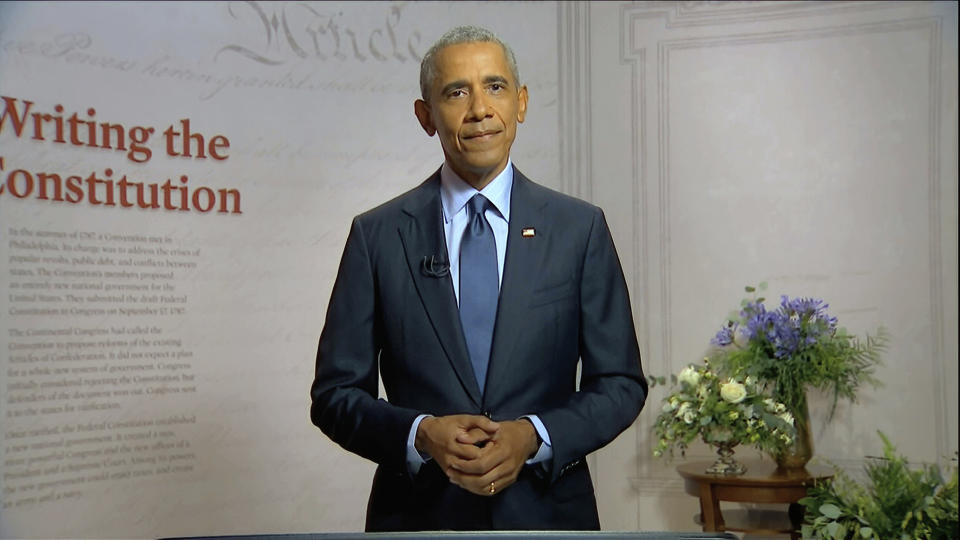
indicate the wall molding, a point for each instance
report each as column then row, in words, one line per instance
column 653, row 276
column 715, row 13
column 573, row 94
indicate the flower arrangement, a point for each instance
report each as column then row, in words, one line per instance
column 899, row 501
column 795, row 347
column 719, row 410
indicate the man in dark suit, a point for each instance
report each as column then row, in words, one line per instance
column 474, row 296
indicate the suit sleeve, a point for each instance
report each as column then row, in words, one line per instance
column 612, row 385
column 345, row 404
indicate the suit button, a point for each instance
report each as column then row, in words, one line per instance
column 486, row 413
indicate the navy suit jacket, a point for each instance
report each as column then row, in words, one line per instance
column 563, row 299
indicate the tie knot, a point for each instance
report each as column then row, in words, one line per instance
column 478, row 203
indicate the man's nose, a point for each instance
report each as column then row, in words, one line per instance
column 479, row 108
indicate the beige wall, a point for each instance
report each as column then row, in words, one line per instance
column 809, row 145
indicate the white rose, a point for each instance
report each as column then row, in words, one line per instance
column 670, row 405
column 787, row 417
column 689, row 376
column 733, row 392
column 689, row 417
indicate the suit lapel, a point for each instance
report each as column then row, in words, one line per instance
column 524, row 256
column 422, row 236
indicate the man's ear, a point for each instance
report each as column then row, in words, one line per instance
column 522, row 104
column 422, row 109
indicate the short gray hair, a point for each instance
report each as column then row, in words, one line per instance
column 455, row 36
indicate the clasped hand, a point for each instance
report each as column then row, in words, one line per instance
column 475, row 452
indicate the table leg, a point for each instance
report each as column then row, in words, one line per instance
column 796, row 512
column 710, row 510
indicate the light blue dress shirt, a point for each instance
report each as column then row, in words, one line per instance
column 454, row 194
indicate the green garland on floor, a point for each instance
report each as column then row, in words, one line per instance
column 900, row 502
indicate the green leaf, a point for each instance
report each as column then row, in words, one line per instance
column 750, row 289
column 830, row 510
column 866, row 532
column 832, row 528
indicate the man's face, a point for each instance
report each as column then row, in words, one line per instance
column 474, row 105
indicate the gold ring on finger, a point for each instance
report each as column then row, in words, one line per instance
column 493, row 488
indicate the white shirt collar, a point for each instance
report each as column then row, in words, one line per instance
column 455, row 191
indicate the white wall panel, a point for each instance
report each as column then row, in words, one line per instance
column 809, row 145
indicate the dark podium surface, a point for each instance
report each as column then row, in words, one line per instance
column 476, row 535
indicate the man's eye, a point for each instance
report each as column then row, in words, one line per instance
column 496, row 87
column 456, row 93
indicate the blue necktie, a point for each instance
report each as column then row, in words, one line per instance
column 479, row 287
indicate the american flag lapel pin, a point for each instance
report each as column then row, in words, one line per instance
column 528, row 232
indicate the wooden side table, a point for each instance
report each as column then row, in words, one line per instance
column 762, row 483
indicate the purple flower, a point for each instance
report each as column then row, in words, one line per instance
column 809, row 317
column 760, row 322
column 786, row 340
column 809, row 311
column 725, row 336
column 797, row 324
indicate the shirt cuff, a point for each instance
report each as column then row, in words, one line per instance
column 545, row 451
column 415, row 459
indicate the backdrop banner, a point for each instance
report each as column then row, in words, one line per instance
column 176, row 185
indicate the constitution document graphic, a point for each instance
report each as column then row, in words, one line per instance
column 176, row 183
